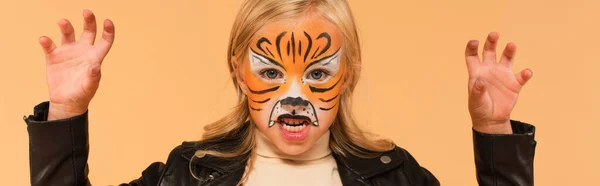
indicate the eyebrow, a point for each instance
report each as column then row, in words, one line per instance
column 319, row 61
column 272, row 61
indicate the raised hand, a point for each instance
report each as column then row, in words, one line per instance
column 73, row 69
column 493, row 88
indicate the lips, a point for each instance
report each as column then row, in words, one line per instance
column 294, row 127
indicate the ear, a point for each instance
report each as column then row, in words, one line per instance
column 238, row 74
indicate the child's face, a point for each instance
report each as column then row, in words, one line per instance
column 293, row 74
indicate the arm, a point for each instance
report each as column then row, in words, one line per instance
column 504, row 148
column 58, row 135
column 58, row 151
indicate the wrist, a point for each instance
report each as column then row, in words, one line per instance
column 493, row 127
column 58, row 111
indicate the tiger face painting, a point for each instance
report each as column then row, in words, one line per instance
column 293, row 75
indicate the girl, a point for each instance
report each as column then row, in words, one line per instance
column 295, row 64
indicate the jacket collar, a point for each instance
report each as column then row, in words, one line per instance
column 364, row 168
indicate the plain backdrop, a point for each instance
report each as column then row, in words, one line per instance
column 166, row 77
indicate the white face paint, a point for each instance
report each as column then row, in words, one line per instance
column 265, row 69
column 329, row 65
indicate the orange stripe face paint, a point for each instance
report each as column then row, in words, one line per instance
column 294, row 74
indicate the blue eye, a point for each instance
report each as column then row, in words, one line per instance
column 271, row 74
column 318, row 74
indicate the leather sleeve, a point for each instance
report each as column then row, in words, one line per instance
column 58, row 151
column 505, row 159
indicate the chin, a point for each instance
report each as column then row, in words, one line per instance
column 294, row 148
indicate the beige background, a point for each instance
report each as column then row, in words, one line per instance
column 166, row 77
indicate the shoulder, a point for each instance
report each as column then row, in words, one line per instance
column 186, row 150
column 411, row 168
column 393, row 167
column 404, row 155
column 155, row 173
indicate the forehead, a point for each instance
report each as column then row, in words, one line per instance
column 302, row 40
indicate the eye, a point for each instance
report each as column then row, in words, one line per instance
column 318, row 75
column 271, row 74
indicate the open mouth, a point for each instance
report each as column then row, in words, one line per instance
column 293, row 123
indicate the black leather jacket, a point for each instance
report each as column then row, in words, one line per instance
column 58, row 152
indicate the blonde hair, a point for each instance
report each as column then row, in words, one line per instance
column 346, row 136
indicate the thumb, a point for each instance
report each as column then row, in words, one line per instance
column 476, row 94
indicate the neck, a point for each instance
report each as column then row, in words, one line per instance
column 265, row 148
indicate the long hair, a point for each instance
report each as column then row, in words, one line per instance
column 346, row 136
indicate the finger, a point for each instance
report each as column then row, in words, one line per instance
column 89, row 27
column 508, row 55
column 524, row 76
column 108, row 37
column 68, row 34
column 47, row 44
column 471, row 56
column 489, row 48
column 477, row 92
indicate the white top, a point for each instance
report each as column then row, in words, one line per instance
column 315, row 167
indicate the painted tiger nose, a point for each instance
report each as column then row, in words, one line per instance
column 290, row 101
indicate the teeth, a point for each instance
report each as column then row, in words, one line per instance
column 290, row 128
column 292, row 121
column 287, row 127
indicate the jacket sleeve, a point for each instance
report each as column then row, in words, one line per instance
column 58, row 151
column 505, row 159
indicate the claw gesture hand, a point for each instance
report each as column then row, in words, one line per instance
column 73, row 68
column 493, row 88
